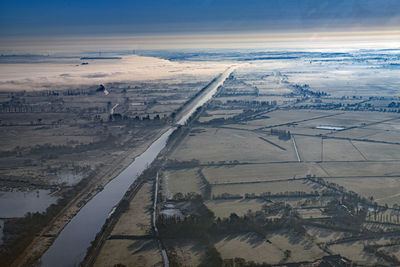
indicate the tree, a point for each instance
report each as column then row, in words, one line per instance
column 287, row 254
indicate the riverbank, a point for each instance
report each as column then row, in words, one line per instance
column 42, row 242
column 102, row 246
column 106, row 174
column 73, row 139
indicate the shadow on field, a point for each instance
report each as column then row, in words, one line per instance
column 139, row 246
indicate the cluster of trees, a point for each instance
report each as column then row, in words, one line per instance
column 206, row 183
column 282, row 134
column 373, row 249
column 201, row 220
column 50, row 104
column 394, row 105
column 240, row 262
column 268, row 195
column 275, row 208
column 200, row 223
column 120, row 117
column 222, row 162
column 232, row 86
column 173, row 163
column 22, row 107
column 350, row 197
column 52, row 151
column 253, row 103
column 75, row 92
column 227, row 196
column 305, row 90
column 195, row 224
column 259, row 223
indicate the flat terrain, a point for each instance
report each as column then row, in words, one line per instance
column 223, row 208
column 130, row 253
column 293, row 160
column 260, row 172
column 181, row 181
column 135, row 220
column 269, row 250
column 275, row 154
column 69, row 128
column 233, row 145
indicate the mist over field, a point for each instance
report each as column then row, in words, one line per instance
column 56, row 73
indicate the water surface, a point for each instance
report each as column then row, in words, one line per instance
column 1, row 231
column 69, row 248
column 18, row 203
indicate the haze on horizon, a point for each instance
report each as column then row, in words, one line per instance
column 200, row 24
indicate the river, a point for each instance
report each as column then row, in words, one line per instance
column 69, row 248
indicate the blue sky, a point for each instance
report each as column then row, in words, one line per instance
column 86, row 17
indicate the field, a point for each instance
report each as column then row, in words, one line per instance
column 321, row 235
column 355, row 250
column 69, row 128
column 136, row 219
column 242, row 146
column 129, row 243
column 357, row 169
column 293, row 160
column 189, row 251
column 275, row 187
column 271, row 249
column 181, row 181
column 260, row 172
column 384, row 190
column 224, row 208
column 130, row 253
column 266, row 150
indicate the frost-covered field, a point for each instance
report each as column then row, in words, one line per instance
column 363, row 72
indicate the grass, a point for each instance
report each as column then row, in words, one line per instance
column 224, row 208
column 322, row 235
column 141, row 253
column 181, row 181
column 217, row 144
column 355, row 252
column 187, row 251
column 311, row 213
column 215, row 114
column 309, row 148
column 348, row 169
column 384, row 190
column 136, row 219
column 274, row 188
column 340, row 150
column 260, row 172
column 375, row 151
column 270, row 250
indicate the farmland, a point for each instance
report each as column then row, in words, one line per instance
column 64, row 138
column 275, row 169
column 288, row 180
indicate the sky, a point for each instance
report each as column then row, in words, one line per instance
column 73, row 17
column 62, row 18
